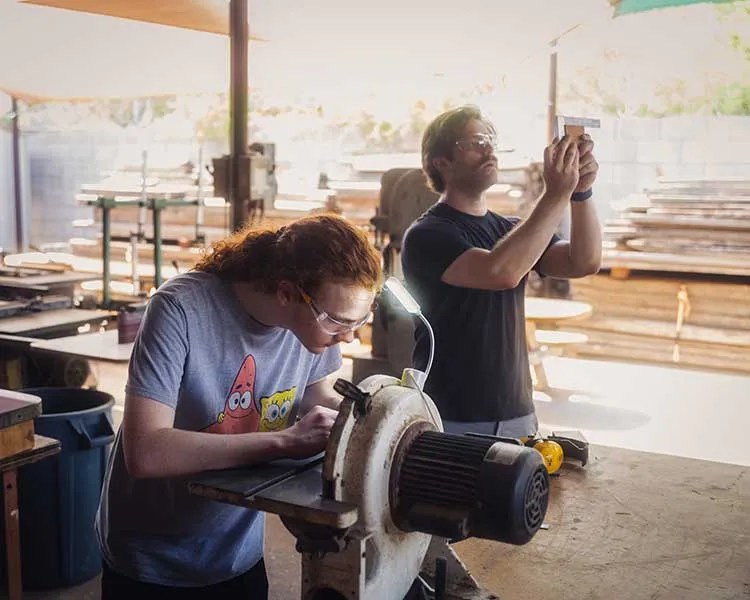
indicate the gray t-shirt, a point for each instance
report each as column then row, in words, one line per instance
column 223, row 372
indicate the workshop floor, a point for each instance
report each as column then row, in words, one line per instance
column 681, row 412
column 688, row 413
column 666, row 411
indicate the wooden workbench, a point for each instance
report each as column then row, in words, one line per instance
column 44, row 447
column 45, row 282
column 47, row 323
column 631, row 525
column 99, row 346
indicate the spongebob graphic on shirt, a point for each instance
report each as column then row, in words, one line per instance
column 275, row 410
column 243, row 412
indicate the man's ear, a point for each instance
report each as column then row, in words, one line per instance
column 286, row 293
column 442, row 164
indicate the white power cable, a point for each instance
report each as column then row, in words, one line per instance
column 433, row 418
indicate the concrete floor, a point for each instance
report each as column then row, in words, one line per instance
column 689, row 413
column 659, row 527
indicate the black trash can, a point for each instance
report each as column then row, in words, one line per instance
column 58, row 497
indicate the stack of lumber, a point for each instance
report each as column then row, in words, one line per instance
column 680, row 320
column 684, row 227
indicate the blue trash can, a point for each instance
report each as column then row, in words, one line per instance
column 58, row 497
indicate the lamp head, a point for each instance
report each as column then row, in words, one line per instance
column 405, row 299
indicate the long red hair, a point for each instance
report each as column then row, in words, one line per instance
column 307, row 252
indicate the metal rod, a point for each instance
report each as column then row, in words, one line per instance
column 134, row 275
column 199, row 196
column 144, row 196
column 106, row 252
column 238, row 36
column 17, row 191
column 156, row 216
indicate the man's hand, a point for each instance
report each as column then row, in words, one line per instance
column 309, row 435
column 561, row 167
column 587, row 165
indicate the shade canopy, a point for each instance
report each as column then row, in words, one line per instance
column 320, row 47
column 200, row 15
column 60, row 54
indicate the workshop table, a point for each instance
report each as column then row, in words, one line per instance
column 42, row 283
column 44, row 447
column 154, row 199
column 108, row 358
column 550, row 313
column 49, row 323
column 633, row 525
column 99, row 346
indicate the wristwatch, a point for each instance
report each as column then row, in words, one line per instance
column 581, row 196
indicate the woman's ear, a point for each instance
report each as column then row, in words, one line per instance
column 286, row 293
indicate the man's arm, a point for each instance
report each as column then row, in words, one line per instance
column 583, row 254
column 154, row 448
column 580, row 256
column 515, row 254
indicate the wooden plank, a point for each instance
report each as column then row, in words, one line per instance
column 625, row 231
column 706, row 312
column 44, row 447
column 17, row 407
column 651, row 356
column 12, row 534
column 661, row 351
column 695, row 222
column 658, row 329
column 647, row 284
column 710, row 249
column 653, row 261
column 16, row 438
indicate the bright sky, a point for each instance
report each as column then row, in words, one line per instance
column 386, row 53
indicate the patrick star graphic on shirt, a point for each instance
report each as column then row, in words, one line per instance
column 240, row 413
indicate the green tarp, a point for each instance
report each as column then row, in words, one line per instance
column 625, row 7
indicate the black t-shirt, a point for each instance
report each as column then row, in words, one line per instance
column 481, row 366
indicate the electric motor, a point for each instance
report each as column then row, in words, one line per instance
column 460, row 486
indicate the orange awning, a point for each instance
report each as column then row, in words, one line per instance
column 199, row 15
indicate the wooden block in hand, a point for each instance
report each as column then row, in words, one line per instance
column 574, row 131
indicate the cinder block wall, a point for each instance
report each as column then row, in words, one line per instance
column 59, row 163
column 632, row 153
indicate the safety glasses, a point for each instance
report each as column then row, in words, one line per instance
column 481, row 142
column 327, row 323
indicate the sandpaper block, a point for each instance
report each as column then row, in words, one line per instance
column 17, row 414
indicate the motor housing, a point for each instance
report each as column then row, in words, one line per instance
column 460, row 486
